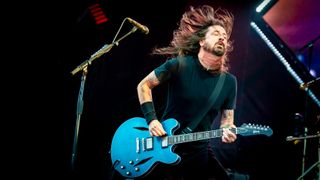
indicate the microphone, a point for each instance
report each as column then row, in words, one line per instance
column 289, row 138
column 294, row 139
column 304, row 86
column 143, row 28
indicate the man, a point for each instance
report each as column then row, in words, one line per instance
column 197, row 56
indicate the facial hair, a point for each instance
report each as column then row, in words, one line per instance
column 217, row 49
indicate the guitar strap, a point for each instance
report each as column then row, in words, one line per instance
column 213, row 97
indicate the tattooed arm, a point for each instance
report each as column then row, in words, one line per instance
column 227, row 121
column 227, row 118
column 145, row 98
column 145, row 86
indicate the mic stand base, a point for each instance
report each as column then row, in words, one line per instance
column 315, row 164
column 307, row 171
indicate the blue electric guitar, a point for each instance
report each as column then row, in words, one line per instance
column 135, row 153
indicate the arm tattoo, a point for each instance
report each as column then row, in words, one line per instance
column 227, row 117
column 227, row 114
column 145, row 86
column 152, row 80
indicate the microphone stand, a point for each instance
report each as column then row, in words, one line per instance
column 309, row 45
column 306, row 85
column 84, row 68
column 315, row 164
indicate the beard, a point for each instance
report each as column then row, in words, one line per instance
column 217, row 49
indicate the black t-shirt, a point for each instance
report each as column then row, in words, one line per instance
column 189, row 89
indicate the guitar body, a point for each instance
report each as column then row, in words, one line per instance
column 134, row 152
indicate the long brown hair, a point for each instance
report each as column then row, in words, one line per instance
column 192, row 28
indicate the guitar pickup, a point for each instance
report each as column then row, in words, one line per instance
column 164, row 142
column 149, row 143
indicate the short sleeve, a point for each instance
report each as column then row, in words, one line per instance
column 167, row 70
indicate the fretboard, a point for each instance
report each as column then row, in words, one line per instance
column 197, row 136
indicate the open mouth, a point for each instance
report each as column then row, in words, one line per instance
column 220, row 44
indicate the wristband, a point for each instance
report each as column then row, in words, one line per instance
column 148, row 111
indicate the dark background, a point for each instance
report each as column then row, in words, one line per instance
column 65, row 34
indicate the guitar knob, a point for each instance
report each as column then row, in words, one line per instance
column 130, row 162
column 128, row 173
column 136, row 169
column 122, row 167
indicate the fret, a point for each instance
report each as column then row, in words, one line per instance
column 186, row 137
column 181, row 138
column 194, row 136
column 198, row 136
column 211, row 134
column 207, row 136
column 171, row 140
column 191, row 137
column 176, row 139
column 234, row 130
column 202, row 135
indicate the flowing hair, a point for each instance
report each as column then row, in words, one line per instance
column 193, row 27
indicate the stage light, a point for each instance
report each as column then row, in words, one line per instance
column 262, row 5
column 283, row 60
column 98, row 14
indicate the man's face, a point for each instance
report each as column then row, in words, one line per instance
column 215, row 40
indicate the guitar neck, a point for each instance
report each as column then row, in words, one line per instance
column 197, row 136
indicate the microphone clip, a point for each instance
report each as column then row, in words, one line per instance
column 306, row 85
